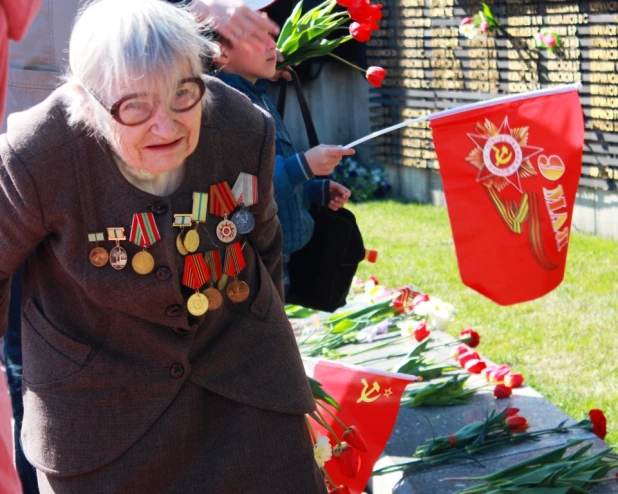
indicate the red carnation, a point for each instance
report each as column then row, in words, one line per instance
column 375, row 76
column 471, row 337
column 599, row 423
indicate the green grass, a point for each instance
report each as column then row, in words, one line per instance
column 565, row 343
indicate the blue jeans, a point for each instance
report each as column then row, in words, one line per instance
column 12, row 351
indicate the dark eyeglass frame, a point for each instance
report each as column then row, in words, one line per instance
column 114, row 110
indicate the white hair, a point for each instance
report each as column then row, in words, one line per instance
column 127, row 42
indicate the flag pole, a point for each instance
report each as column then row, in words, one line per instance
column 471, row 106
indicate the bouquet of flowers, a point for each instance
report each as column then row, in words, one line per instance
column 315, row 33
column 365, row 183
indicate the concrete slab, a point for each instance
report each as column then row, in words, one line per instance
column 584, row 211
column 606, row 214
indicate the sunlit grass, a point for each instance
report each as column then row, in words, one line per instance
column 565, row 344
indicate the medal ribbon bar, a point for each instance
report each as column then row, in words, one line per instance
column 196, row 273
column 213, row 260
column 222, row 200
column 245, row 189
column 200, row 202
column 144, row 231
column 234, row 259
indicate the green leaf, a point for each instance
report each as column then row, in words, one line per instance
column 290, row 23
column 344, row 325
column 487, row 12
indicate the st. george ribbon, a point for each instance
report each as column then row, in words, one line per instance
column 472, row 106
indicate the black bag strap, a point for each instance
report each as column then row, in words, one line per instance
column 312, row 135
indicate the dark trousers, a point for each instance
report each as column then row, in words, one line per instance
column 12, row 351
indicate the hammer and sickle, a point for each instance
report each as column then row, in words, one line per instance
column 366, row 395
column 503, row 156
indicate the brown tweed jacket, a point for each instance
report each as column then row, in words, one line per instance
column 105, row 351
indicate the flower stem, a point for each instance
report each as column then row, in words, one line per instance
column 328, row 427
column 333, row 415
column 346, row 62
column 311, row 431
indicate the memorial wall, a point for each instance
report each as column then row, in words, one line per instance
column 431, row 67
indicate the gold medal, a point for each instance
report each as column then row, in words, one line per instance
column 180, row 245
column 142, row 262
column 99, row 257
column 191, row 240
column 197, row 304
column 238, row 291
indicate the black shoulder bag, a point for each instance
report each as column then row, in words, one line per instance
column 321, row 273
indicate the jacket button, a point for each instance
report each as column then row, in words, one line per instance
column 159, row 208
column 181, row 331
column 177, row 371
column 173, row 310
column 163, row 273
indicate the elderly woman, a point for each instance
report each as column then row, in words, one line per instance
column 157, row 354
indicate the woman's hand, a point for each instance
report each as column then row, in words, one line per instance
column 237, row 22
column 339, row 195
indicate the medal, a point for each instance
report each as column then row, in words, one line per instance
column 222, row 203
column 245, row 191
column 237, row 291
column 98, row 256
column 191, row 241
column 144, row 233
column 215, row 299
column 213, row 261
column 226, row 231
column 196, row 274
column 243, row 220
column 117, row 256
column 180, row 221
column 197, row 304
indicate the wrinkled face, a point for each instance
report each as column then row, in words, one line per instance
column 249, row 64
column 162, row 142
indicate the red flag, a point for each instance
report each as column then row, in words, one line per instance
column 510, row 170
column 369, row 400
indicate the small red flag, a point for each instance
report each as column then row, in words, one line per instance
column 510, row 170
column 369, row 400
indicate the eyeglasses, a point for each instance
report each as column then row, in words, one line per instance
column 135, row 109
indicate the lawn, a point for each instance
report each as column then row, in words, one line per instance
column 565, row 343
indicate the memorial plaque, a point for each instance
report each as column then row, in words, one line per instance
column 431, row 67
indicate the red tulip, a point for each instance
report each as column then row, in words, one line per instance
column 471, row 337
column 599, row 423
column 502, row 391
column 347, row 458
column 475, row 366
column 468, row 356
column 465, row 20
column 517, row 423
column 354, row 438
column 363, row 11
column 460, row 350
column 514, row 380
column 373, row 26
column 421, row 332
column 498, row 374
column 342, row 489
column 511, row 411
column 375, row 76
column 345, row 3
column 486, row 372
column 484, row 27
column 375, row 280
